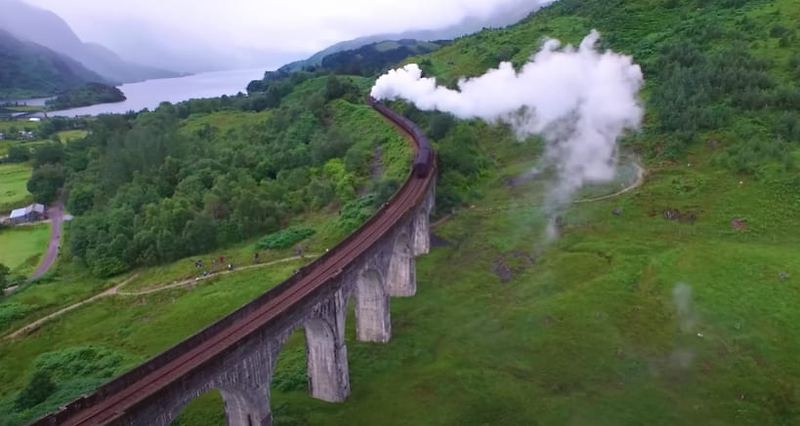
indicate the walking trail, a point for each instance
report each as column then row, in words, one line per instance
column 57, row 212
column 117, row 291
column 640, row 176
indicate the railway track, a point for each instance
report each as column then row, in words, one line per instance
column 112, row 401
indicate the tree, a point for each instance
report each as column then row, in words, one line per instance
column 81, row 199
column 50, row 153
column 46, row 182
column 18, row 154
column 38, row 390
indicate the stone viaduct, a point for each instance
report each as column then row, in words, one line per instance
column 237, row 355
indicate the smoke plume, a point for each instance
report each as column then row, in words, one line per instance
column 580, row 100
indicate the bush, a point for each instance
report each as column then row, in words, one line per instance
column 12, row 311
column 356, row 212
column 39, row 388
column 45, row 182
column 4, row 273
column 285, row 238
column 18, row 154
column 79, row 362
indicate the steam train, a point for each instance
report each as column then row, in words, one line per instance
column 423, row 161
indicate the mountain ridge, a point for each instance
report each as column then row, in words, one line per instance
column 32, row 70
column 45, row 28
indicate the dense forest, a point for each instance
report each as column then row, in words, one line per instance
column 88, row 94
column 158, row 186
column 376, row 57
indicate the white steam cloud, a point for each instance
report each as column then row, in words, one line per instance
column 580, row 100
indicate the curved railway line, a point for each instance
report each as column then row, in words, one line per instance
column 110, row 403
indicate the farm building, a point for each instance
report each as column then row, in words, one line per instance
column 32, row 213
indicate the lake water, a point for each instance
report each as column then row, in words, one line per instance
column 150, row 93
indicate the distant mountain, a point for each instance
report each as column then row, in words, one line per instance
column 30, row 70
column 29, row 23
column 504, row 16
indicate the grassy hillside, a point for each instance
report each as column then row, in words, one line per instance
column 13, row 192
column 21, row 248
column 639, row 317
column 670, row 304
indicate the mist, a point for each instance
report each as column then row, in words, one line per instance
column 201, row 35
column 580, row 100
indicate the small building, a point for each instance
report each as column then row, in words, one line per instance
column 32, row 213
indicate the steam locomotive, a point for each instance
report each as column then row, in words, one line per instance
column 423, row 161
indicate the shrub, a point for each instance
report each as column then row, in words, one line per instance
column 356, row 212
column 285, row 238
column 12, row 311
column 39, row 388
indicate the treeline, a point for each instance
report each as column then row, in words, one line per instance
column 376, row 58
column 145, row 190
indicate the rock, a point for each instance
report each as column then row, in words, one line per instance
column 677, row 215
column 617, row 211
column 784, row 276
column 502, row 271
column 672, row 214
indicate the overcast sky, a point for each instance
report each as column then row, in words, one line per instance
column 141, row 29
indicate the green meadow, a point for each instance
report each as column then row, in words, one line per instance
column 13, row 186
column 22, row 247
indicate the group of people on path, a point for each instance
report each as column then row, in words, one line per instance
column 218, row 265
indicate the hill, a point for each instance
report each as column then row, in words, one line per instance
column 88, row 94
column 376, row 57
column 507, row 14
column 30, row 70
column 669, row 304
column 45, row 28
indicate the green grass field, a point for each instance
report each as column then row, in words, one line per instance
column 13, row 186
column 135, row 328
column 21, row 247
column 68, row 136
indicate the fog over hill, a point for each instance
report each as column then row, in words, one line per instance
column 504, row 15
column 47, row 29
column 29, row 70
column 201, row 35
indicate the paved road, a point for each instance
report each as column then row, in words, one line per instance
column 56, row 215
